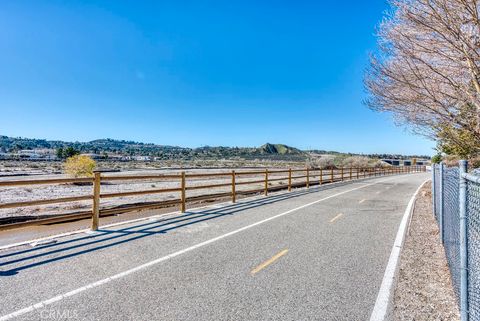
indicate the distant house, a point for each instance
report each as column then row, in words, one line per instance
column 115, row 157
column 28, row 153
column 32, row 154
column 143, row 158
column 93, row 155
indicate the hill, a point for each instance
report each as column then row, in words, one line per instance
column 279, row 149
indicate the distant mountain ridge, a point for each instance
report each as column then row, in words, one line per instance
column 131, row 148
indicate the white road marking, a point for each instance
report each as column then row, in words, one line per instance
column 379, row 312
column 60, row 297
column 336, row 218
column 361, row 201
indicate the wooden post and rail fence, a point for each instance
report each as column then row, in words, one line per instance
column 323, row 176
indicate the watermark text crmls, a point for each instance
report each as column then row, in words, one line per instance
column 54, row 314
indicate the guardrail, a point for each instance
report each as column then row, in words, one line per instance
column 234, row 179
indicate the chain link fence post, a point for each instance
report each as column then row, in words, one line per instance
column 463, row 242
column 441, row 193
column 434, row 195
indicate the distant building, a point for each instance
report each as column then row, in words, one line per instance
column 93, row 155
column 406, row 162
column 114, row 157
column 143, row 158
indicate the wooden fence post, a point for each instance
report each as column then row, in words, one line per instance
column 96, row 200
column 341, row 173
column 357, row 170
column 289, row 179
column 234, row 196
column 321, row 176
column 266, row 182
column 183, row 198
column 331, row 175
column 308, row 178
column 350, row 173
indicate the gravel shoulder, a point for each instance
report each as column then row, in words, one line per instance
column 424, row 289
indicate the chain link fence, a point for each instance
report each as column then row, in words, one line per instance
column 456, row 200
column 473, row 249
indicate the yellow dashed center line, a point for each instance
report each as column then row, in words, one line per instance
column 336, row 218
column 362, row 201
column 268, row 262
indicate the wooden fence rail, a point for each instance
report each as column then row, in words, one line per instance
column 311, row 176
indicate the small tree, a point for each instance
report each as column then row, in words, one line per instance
column 80, row 166
column 59, row 152
column 427, row 72
column 70, row 151
column 67, row 152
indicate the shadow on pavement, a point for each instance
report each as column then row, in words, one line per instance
column 16, row 261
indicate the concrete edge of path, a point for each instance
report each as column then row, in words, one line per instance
column 383, row 304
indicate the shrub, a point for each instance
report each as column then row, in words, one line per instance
column 437, row 159
column 326, row 163
column 356, row 161
column 80, row 166
column 380, row 164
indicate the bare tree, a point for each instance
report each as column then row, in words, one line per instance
column 428, row 70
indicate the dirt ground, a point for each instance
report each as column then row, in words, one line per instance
column 424, row 288
column 41, row 192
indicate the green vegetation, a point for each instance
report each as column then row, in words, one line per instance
column 67, row 152
column 278, row 149
column 436, row 159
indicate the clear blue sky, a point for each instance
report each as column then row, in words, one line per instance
column 194, row 73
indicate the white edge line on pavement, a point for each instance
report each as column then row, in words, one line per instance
column 60, row 297
column 380, row 309
column 248, row 198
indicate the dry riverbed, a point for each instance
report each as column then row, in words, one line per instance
column 41, row 192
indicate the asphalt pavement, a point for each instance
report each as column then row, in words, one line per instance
column 316, row 254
